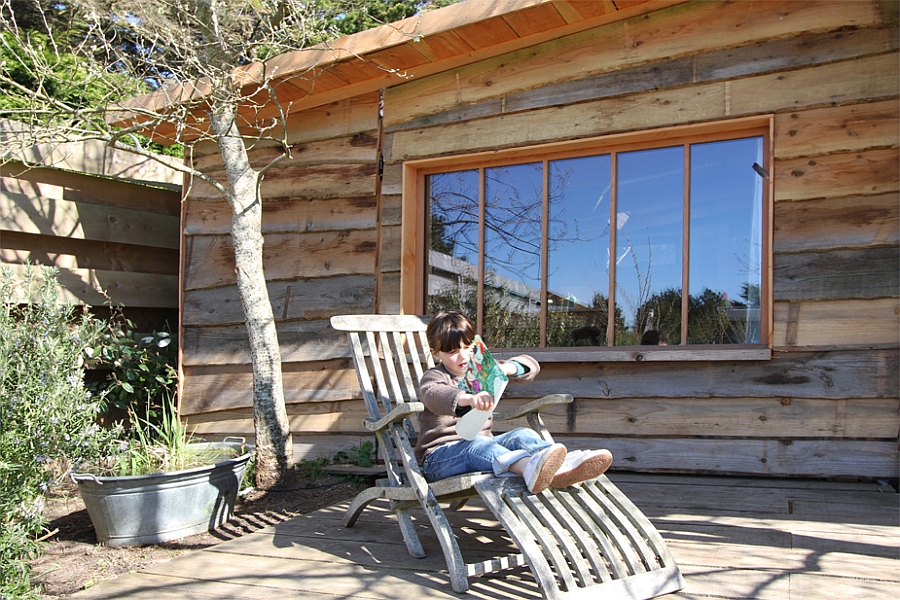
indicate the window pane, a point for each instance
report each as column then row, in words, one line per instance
column 512, row 272
column 578, row 279
column 726, row 242
column 649, row 208
column 452, row 228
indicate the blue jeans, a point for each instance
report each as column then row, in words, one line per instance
column 495, row 454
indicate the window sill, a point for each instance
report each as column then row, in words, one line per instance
column 642, row 353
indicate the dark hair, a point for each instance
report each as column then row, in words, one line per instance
column 653, row 337
column 449, row 330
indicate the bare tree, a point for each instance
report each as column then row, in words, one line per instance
column 204, row 70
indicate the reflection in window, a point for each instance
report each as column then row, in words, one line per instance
column 649, row 217
column 512, row 251
column 578, row 249
column 453, row 242
column 726, row 243
column 607, row 237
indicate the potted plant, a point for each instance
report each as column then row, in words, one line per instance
column 162, row 485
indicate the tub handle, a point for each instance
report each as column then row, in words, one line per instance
column 76, row 477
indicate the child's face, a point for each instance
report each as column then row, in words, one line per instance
column 455, row 361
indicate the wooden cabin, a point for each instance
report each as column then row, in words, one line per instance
column 109, row 220
column 747, row 153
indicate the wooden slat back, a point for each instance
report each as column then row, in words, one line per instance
column 390, row 353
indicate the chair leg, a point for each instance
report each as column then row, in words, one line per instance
column 366, row 497
column 359, row 503
column 456, row 566
column 408, row 529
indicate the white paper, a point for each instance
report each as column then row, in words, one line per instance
column 470, row 424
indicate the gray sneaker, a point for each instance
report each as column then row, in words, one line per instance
column 542, row 467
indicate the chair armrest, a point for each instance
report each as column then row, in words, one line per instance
column 534, row 406
column 398, row 414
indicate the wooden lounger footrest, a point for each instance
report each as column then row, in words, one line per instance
column 584, row 541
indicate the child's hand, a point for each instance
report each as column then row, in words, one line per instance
column 479, row 401
column 509, row 369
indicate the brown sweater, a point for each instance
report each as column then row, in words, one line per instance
column 438, row 391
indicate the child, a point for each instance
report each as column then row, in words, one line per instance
column 442, row 453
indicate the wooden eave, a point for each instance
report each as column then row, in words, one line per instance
column 396, row 53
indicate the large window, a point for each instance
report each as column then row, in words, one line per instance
column 619, row 242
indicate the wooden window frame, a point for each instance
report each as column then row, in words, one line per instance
column 413, row 275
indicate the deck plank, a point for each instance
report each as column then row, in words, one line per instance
column 740, row 538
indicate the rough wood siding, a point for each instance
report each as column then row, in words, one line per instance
column 320, row 227
column 103, row 234
column 827, row 402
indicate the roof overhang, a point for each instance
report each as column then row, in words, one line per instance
column 391, row 55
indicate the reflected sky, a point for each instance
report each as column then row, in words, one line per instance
column 725, row 240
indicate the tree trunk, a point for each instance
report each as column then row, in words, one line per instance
column 274, row 447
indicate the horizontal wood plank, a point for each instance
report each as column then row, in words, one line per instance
column 771, row 418
column 73, row 253
column 359, row 148
column 837, row 275
column 833, row 223
column 213, row 217
column 216, row 388
column 859, row 80
column 304, row 182
column 837, row 323
column 709, row 418
column 836, row 129
column 97, row 287
column 64, row 218
column 757, row 457
column 801, row 458
column 838, row 175
column 77, row 187
column 300, row 299
column 210, row 258
column 300, row 341
column 796, row 374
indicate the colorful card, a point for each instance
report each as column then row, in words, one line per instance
column 483, row 374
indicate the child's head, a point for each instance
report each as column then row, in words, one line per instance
column 449, row 331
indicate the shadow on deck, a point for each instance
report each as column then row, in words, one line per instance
column 732, row 538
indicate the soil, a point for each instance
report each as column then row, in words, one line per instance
column 72, row 560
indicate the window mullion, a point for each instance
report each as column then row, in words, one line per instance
column 545, row 227
column 479, row 324
column 611, row 256
column 685, row 246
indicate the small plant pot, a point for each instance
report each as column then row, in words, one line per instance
column 148, row 509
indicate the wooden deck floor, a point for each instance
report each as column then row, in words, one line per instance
column 732, row 538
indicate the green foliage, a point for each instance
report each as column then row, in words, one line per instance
column 312, row 469
column 159, row 446
column 49, row 417
column 346, row 17
column 362, row 455
column 42, row 70
column 143, row 376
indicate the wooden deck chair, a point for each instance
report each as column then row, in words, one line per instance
column 585, row 541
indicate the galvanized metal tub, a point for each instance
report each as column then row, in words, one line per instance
column 148, row 509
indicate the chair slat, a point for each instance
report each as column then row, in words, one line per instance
column 574, row 545
column 381, row 389
column 637, row 540
column 546, row 538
